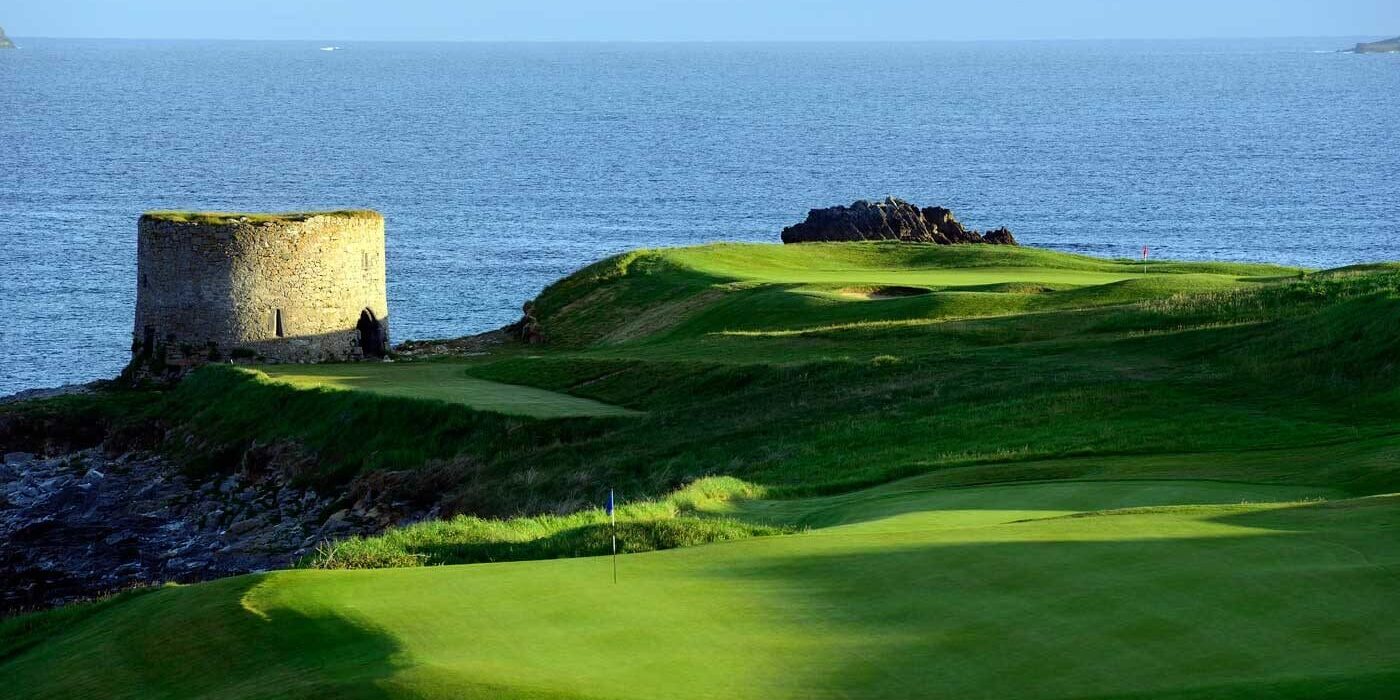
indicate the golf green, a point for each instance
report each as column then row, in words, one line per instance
column 441, row 382
column 974, row 593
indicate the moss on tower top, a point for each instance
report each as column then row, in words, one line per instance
column 225, row 218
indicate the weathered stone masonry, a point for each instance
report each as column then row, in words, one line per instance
column 288, row 288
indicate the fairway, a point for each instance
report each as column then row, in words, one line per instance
column 919, row 503
column 970, row 593
column 856, row 471
column 441, row 382
column 929, row 265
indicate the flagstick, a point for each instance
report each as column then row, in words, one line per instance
column 612, row 513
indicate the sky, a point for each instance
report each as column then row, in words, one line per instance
column 697, row 20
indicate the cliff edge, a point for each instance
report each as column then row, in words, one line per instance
column 5, row 42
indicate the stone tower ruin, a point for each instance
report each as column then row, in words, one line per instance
column 215, row 287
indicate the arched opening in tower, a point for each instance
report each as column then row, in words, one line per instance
column 372, row 340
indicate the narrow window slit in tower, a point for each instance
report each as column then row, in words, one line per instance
column 277, row 323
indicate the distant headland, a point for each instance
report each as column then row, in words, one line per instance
column 1383, row 46
column 5, row 42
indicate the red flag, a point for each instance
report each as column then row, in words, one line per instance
column 1144, row 252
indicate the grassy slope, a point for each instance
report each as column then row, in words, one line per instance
column 1207, row 384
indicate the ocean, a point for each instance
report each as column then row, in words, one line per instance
column 501, row 167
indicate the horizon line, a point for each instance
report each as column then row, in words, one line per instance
column 705, row 41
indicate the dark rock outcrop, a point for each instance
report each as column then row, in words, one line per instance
column 1383, row 46
column 1001, row 236
column 528, row 329
column 5, row 42
column 86, row 523
column 83, row 524
column 890, row 220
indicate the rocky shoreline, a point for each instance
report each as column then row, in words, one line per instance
column 88, row 508
column 83, row 524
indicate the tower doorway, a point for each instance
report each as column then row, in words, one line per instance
column 372, row 341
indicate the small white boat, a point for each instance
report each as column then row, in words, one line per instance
column 330, row 48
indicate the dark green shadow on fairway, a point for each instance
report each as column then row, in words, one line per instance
column 1281, row 603
column 143, row 644
column 1300, row 608
column 1013, row 501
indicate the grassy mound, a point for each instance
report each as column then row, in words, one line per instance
column 748, row 361
column 1044, row 476
column 227, row 218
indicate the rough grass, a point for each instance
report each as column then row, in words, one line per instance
column 469, row 540
column 641, row 527
column 226, row 218
column 788, row 385
column 1200, row 410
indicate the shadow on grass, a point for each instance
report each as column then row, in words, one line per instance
column 927, row 494
column 1280, row 603
column 1296, row 604
column 182, row 642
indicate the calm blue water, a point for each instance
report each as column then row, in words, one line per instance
column 503, row 167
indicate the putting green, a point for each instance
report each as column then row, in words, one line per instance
column 939, row 266
column 958, row 596
column 441, row 382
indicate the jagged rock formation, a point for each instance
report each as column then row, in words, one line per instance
column 87, row 522
column 1001, row 236
column 528, row 329
column 87, row 507
column 1383, row 46
column 890, row 220
column 82, row 524
column 5, row 42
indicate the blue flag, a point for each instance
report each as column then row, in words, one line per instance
column 612, row 515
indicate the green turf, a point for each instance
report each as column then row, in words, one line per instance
column 640, row 296
column 224, row 218
column 982, row 593
column 441, row 382
column 1023, row 474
